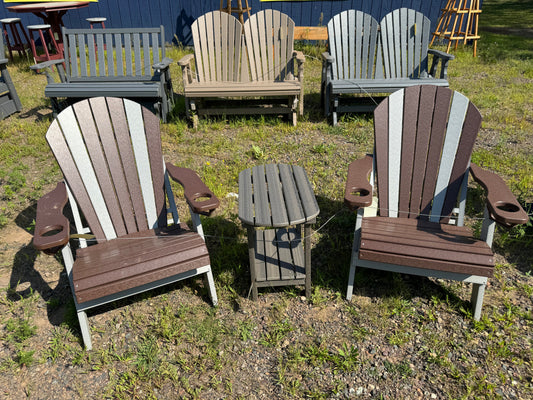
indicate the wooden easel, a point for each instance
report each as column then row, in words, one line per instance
column 456, row 15
column 237, row 10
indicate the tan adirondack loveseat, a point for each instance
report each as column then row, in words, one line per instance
column 232, row 62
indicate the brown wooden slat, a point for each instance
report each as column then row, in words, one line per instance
column 87, row 126
column 105, row 130
column 438, row 132
column 471, row 127
column 57, row 143
column 153, row 139
column 121, row 129
column 410, row 114
column 381, row 134
column 425, row 119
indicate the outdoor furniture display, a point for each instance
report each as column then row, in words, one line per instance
column 229, row 65
column 424, row 136
column 51, row 13
column 9, row 99
column 128, row 63
column 365, row 59
column 279, row 197
column 109, row 151
column 96, row 20
column 15, row 43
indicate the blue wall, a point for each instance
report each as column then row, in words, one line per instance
column 178, row 15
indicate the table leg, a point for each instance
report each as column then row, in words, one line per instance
column 307, row 244
column 251, row 254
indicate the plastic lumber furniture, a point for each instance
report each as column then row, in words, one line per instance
column 9, row 99
column 128, row 63
column 248, row 70
column 51, row 49
column 424, row 136
column 109, row 151
column 278, row 196
column 367, row 58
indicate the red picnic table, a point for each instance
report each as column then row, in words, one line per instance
column 51, row 13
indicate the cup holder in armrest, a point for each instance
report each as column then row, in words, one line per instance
column 507, row 207
column 358, row 192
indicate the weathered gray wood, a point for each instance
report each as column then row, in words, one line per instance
column 9, row 100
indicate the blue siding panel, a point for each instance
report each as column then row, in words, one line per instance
column 178, row 15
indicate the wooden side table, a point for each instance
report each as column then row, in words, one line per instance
column 279, row 197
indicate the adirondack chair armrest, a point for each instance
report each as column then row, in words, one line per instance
column 3, row 61
column 358, row 190
column 299, row 56
column 501, row 202
column 442, row 56
column 185, row 60
column 198, row 196
column 327, row 58
column 164, row 64
column 46, row 66
column 52, row 228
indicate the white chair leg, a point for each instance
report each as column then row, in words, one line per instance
column 478, row 291
column 211, row 287
column 85, row 331
column 355, row 252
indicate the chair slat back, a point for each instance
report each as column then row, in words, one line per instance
column 217, row 47
column 269, row 40
column 424, row 136
column 109, row 151
column 113, row 54
column 404, row 38
column 352, row 37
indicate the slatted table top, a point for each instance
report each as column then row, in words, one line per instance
column 276, row 195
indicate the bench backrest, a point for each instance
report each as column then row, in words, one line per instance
column 112, row 54
column 353, row 41
column 217, row 38
column 404, row 37
column 269, row 39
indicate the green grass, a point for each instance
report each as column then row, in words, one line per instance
column 173, row 344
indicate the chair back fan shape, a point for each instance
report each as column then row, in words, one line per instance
column 352, row 37
column 405, row 35
column 424, row 138
column 270, row 57
column 114, row 168
column 217, row 38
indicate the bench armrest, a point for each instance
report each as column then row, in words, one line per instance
column 46, row 66
column 185, row 60
column 328, row 58
column 501, row 202
column 442, row 56
column 198, row 196
column 52, row 228
column 358, row 190
column 164, row 64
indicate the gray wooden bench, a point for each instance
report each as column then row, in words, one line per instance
column 9, row 99
column 129, row 63
column 367, row 58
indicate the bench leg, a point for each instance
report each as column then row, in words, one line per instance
column 307, row 243
column 355, row 252
column 251, row 255
column 85, row 330
column 210, row 283
column 478, row 291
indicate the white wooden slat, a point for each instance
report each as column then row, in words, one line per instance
column 426, row 25
column 357, row 57
column 211, row 49
column 413, row 45
column 269, row 26
column 348, row 28
column 140, row 150
column 338, row 63
column 395, row 148
column 221, row 42
column 71, row 131
column 332, row 41
column 399, row 38
column 458, row 110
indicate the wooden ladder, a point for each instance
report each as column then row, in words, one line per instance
column 237, row 10
column 458, row 22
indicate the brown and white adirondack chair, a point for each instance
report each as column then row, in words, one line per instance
column 109, row 151
column 424, row 136
column 236, row 73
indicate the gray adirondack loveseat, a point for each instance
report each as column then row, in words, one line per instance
column 232, row 62
column 129, row 63
column 367, row 58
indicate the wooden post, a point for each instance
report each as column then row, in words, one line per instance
column 237, row 10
